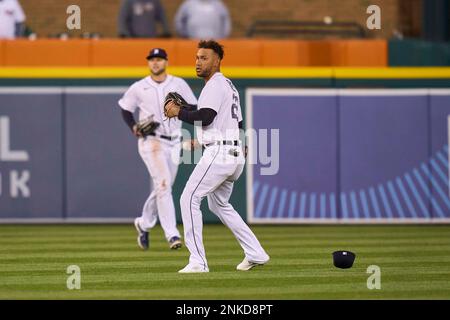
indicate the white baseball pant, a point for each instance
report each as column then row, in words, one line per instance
column 159, row 157
column 214, row 177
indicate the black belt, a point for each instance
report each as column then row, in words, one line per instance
column 164, row 136
column 223, row 143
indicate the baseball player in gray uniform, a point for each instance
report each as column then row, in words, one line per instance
column 160, row 151
column 217, row 121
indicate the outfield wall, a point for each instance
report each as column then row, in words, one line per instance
column 81, row 160
column 66, row 155
column 72, row 144
column 345, row 156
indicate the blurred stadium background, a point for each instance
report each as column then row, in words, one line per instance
column 364, row 133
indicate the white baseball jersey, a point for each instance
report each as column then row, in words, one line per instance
column 147, row 96
column 214, row 176
column 220, row 95
column 10, row 13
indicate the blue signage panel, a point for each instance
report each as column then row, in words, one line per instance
column 105, row 175
column 305, row 185
column 31, row 182
column 352, row 156
column 383, row 144
column 438, row 164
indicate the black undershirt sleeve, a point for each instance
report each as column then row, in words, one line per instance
column 191, row 107
column 128, row 118
column 241, row 125
column 205, row 115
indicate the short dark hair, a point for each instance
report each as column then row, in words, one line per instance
column 213, row 45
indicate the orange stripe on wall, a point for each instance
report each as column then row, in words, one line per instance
column 319, row 53
column 238, row 52
column 351, row 53
column 365, row 53
column 2, row 53
column 48, row 52
column 185, row 53
column 113, row 52
column 280, row 53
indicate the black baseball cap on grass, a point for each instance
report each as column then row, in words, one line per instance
column 343, row 259
column 157, row 52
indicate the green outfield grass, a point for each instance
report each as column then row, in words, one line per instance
column 414, row 262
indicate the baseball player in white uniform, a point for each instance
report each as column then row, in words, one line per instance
column 12, row 19
column 158, row 150
column 217, row 121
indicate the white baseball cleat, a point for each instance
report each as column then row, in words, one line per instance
column 193, row 268
column 246, row 265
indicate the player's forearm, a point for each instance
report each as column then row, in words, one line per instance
column 205, row 116
column 128, row 118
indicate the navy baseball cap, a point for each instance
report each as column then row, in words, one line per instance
column 157, row 52
column 343, row 259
